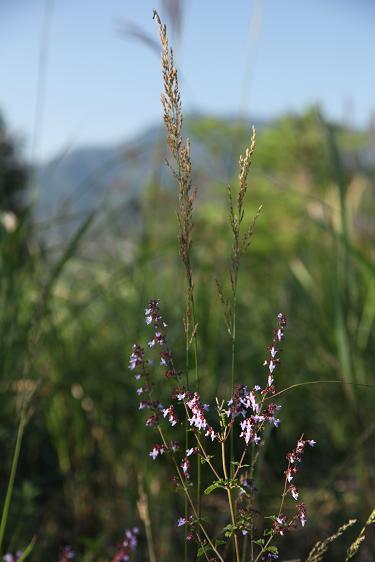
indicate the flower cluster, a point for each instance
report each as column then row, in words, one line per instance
column 156, row 451
column 129, row 544
column 294, row 458
column 198, row 418
column 250, row 403
column 250, row 409
column 188, row 522
column 273, row 358
column 251, row 406
column 153, row 316
column 136, row 357
column 281, row 523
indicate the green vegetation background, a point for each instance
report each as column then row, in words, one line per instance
column 86, row 445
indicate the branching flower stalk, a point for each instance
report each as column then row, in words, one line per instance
column 241, row 240
column 246, row 415
column 181, row 169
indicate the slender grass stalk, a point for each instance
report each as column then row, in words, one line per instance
column 231, row 506
column 241, row 242
column 10, row 487
column 267, row 544
column 186, row 442
column 355, row 546
column 244, row 549
column 180, row 151
column 27, row 550
column 306, row 383
column 41, row 79
column 144, row 514
column 189, row 498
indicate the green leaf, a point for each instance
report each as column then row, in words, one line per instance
column 212, row 487
column 202, row 550
column 69, row 252
column 236, row 463
column 230, row 530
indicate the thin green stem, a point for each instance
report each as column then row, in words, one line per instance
column 231, row 507
column 234, row 310
column 9, row 492
column 27, row 550
column 191, row 503
column 186, row 434
column 296, row 385
column 233, row 332
column 264, row 548
column 244, row 549
column 195, row 340
column 195, row 345
column 205, row 456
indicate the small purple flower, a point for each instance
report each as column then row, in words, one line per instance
column 171, row 415
column 185, row 465
column 129, row 543
column 136, row 357
column 210, row 433
column 301, row 513
column 294, row 492
column 191, row 451
column 198, row 419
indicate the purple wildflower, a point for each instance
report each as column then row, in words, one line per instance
column 129, row 544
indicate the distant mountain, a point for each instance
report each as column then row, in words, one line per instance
column 82, row 180
column 112, row 180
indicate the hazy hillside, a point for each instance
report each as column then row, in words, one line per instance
column 84, row 179
column 111, row 180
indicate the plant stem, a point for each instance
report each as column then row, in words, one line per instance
column 9, row 492
column 230, row 501
column 233, row 332
column 191, row 503
column 197, row 383
column 244, row 549
column 144, row 514
column 264, row 548
column 27, row 550
column 206, row 457
column 186, row 429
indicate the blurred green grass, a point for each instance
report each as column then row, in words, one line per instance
column 312, row 258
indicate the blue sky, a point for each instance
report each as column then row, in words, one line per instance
column 261, row 57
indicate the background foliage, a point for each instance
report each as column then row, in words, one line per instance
column 72, row 312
